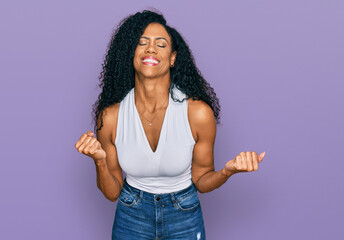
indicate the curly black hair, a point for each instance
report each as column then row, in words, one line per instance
column 117, row 77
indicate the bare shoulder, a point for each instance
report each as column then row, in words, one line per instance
column 110, row 116
column 106, row 136
column 201, row 117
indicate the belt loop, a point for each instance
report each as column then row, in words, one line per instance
column 173, row 199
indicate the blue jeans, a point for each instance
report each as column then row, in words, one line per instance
column 144, row 215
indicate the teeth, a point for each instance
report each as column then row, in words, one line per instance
column 150, row 61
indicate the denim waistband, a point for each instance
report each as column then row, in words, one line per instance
column 162, row 197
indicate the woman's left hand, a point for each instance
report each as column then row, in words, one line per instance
column 244, row 162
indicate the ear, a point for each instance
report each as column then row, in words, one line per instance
column 173, row 57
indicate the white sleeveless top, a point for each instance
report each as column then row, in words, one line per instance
column 166, row 170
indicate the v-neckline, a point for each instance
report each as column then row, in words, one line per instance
column 142, row 128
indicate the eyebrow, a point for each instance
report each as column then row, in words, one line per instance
column 156, row 38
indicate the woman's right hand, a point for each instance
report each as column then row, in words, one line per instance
column 90, row 146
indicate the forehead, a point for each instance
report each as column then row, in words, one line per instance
column 155, row 30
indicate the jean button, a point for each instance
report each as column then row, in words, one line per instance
column 158, row 198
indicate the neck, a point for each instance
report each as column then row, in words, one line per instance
column 151, row 94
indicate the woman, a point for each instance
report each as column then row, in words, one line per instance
column 156, row 119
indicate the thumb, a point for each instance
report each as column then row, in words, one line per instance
column 231, row 165
column 261, row 156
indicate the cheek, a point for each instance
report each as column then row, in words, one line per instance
column 136, row 54
column 136, row 61
column 166, row 58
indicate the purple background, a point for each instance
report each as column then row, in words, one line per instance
column 276, row 66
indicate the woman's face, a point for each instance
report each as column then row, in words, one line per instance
column 153, row 56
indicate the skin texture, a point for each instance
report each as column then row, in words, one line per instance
column 152, row 82
column 151, row 96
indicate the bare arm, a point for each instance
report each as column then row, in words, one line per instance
column 203, row 124
column 109, row 173
column 204, row 176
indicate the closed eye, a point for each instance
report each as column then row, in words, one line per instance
column 145, row 44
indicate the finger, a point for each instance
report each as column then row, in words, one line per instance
column 89, row 145
column 90, row 133
column 81, row 140
column 238, row 164
column 84, row 144
column 243, row 161
column 255, row 161
column 261, row 156
column 249, row 161
column 94, row 147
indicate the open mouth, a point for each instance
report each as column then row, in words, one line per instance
column 150, row 61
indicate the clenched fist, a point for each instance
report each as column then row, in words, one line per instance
column 244, row 162
column 90, row 146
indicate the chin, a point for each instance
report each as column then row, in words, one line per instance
column 150, row 71
column 151, row 76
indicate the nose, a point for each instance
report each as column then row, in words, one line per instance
column 150, row 49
